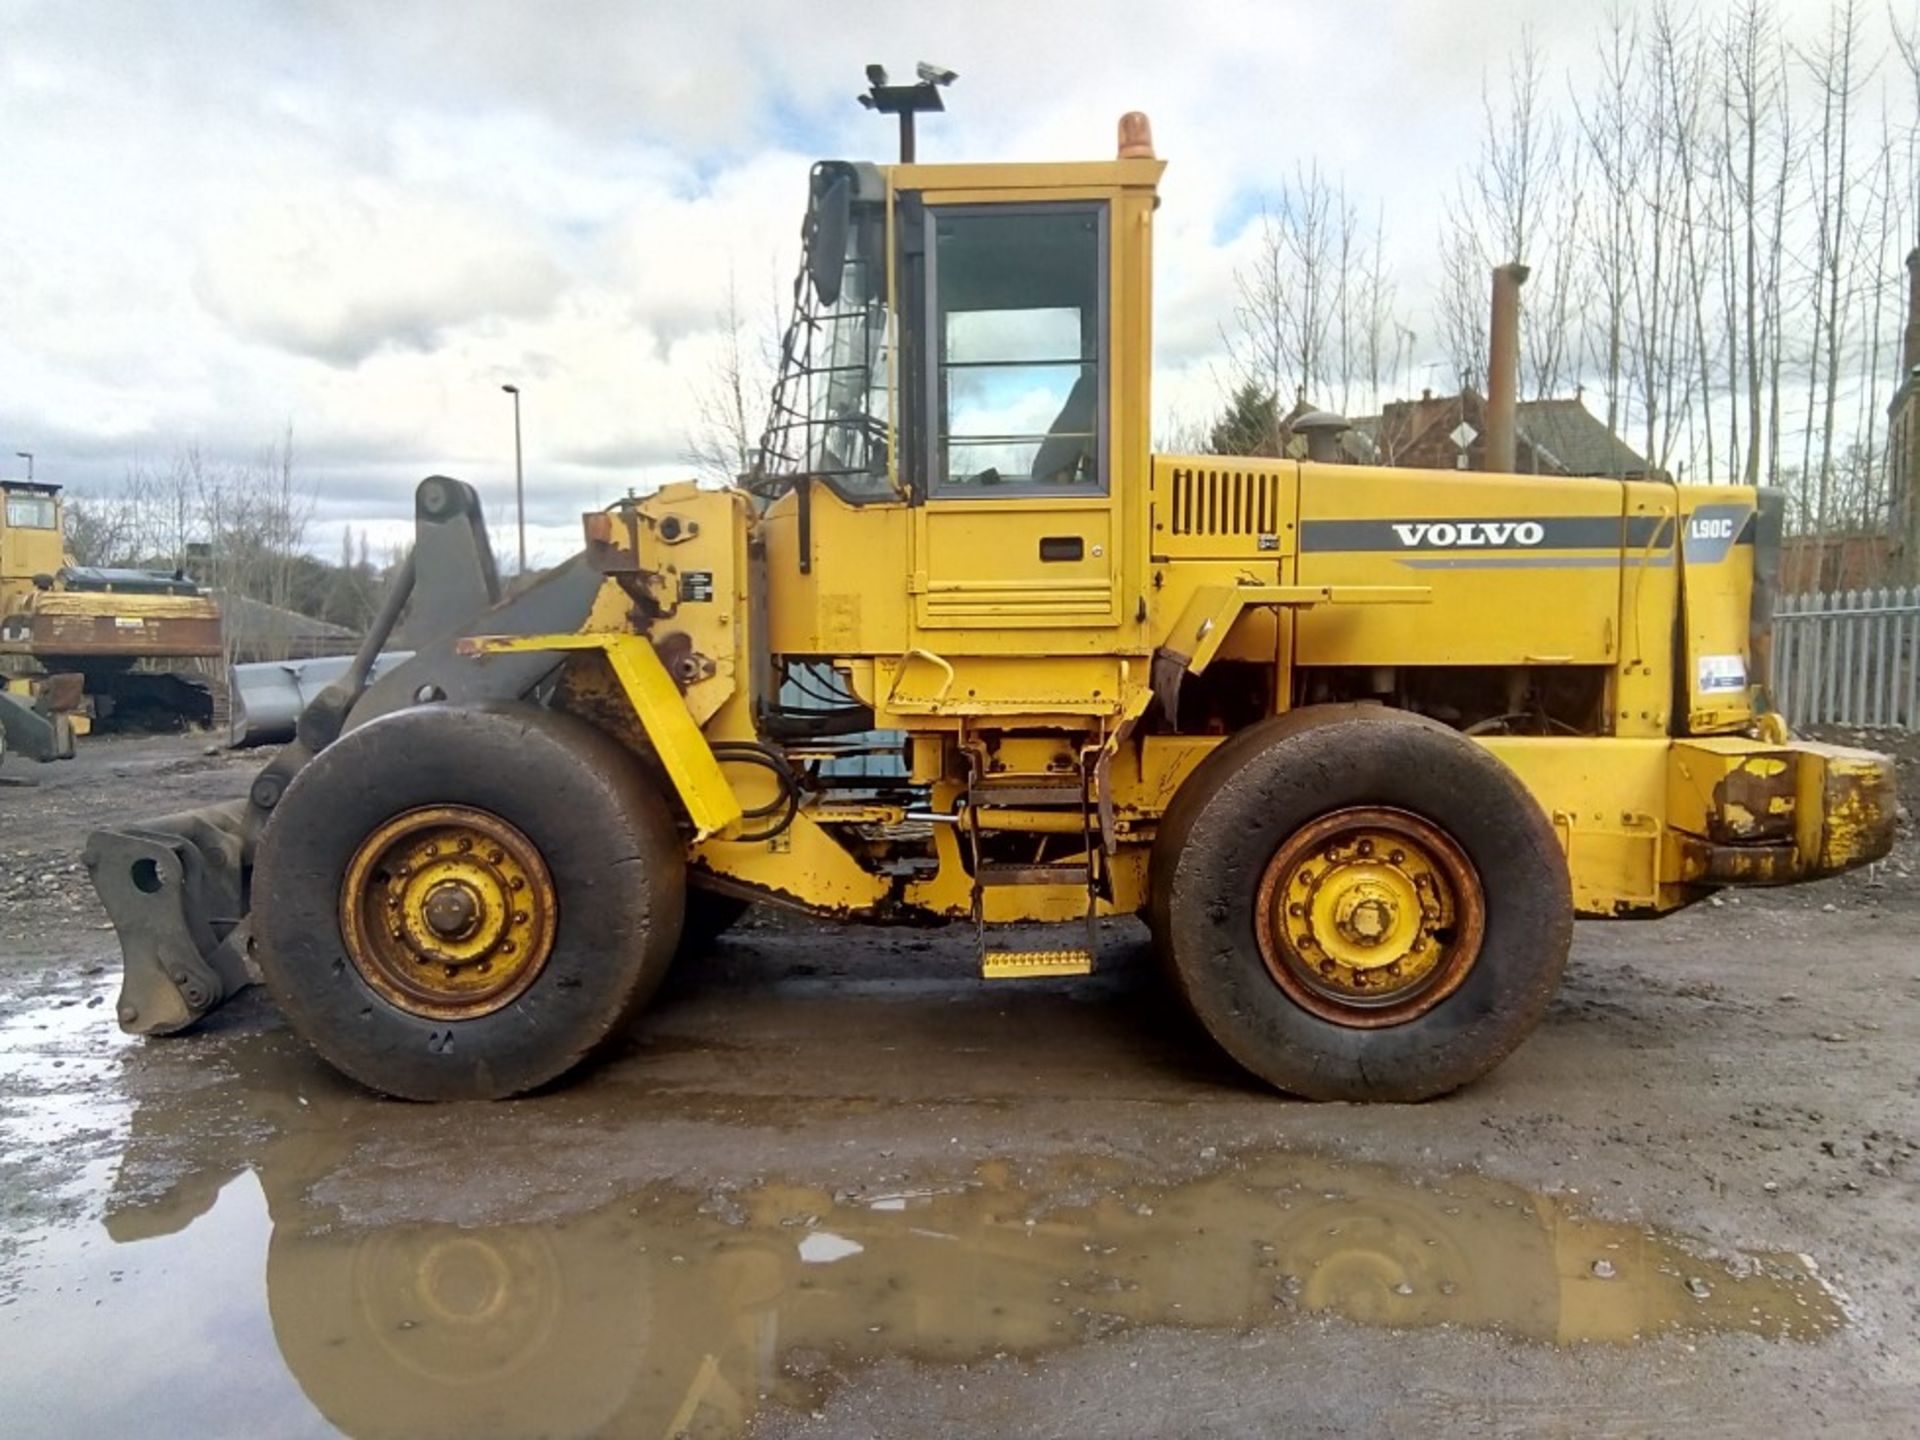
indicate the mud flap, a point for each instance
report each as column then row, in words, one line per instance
column 175, row 889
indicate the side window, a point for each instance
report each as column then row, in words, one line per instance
column 31, row 512
column 1019, row 349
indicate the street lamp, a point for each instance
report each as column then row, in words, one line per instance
column 519, row 477
column 26, row 455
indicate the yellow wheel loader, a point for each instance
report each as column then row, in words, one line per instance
column 1359, row 743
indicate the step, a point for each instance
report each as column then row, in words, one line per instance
column 1026, row 793
column 1032, row 964
column 997, row 873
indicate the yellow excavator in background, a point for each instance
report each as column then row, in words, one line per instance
column 1358, row 743
column 80, row 643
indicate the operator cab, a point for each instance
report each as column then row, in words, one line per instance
column 953, row 351
column 30, row 536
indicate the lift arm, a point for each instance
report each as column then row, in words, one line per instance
column 656, row 700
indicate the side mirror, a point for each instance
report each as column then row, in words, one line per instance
column 831, row 215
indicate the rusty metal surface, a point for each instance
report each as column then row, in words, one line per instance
column 1369, row 917
column 1859, row 807
column 1754, row 801
column 448, row 912
column 86, row 624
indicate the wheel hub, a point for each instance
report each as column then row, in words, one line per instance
column 452, row 910
column 448, row 911
column 1369, row 916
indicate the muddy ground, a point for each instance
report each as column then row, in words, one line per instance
column 837, row 1186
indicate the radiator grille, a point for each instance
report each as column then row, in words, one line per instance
column 1224, row 500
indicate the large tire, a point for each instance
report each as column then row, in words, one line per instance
column 599, row 860
column 1237, row 824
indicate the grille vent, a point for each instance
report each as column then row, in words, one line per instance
column 1223, row 500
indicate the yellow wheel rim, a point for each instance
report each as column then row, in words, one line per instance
column 448, row 912
column 1369, row 916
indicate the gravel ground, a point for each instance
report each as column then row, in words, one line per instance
column 1688, row 1204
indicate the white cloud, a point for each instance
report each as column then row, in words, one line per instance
column 362, row 218
column 338, row 273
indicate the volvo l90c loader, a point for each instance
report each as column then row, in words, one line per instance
column 1358, row 743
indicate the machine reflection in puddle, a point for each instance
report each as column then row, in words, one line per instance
column 665, row 1314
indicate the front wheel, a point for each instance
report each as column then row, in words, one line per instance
column 1360, row 904
column 456, row 903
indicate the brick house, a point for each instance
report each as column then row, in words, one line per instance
column 1555, row 437
column 1903, row 441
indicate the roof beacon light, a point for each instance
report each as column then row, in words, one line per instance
column 1136, row 136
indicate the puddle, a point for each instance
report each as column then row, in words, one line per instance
column 675, row 1311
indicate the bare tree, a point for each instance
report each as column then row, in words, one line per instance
column 1462, row 302
column 1752, row 93
column 1287, row 327
column 1608, row 125
column 730, row 400
column 1834, row 65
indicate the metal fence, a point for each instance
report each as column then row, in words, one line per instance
column 1851, row 658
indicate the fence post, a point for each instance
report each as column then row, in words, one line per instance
column 1912, row 607
column 1882, row 659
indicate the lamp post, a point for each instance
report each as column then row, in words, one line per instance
column 519, row 478
column 26, row 455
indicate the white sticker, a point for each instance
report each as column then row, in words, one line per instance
column 126, row 622
column 1720, row 673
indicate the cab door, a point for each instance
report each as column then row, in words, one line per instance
column 1016, row 531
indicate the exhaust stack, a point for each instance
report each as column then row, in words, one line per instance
column 1910, row 341
column 1503, row 368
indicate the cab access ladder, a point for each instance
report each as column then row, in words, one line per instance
column 1061, row 793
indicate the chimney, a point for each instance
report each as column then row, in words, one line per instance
column 1503, row 367
column 1910, row 344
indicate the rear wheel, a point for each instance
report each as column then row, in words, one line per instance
column 466, row 903
column 1360, row 904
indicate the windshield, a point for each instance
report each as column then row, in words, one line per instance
column 830, row 413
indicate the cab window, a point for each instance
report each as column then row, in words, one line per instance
column 1019, row 349
column 31, row 512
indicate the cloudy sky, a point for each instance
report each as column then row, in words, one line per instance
column 361, row 217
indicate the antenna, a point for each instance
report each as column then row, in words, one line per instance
column 906, row 101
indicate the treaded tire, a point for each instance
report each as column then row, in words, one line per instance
column 603, row 831
column 1232, row 815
